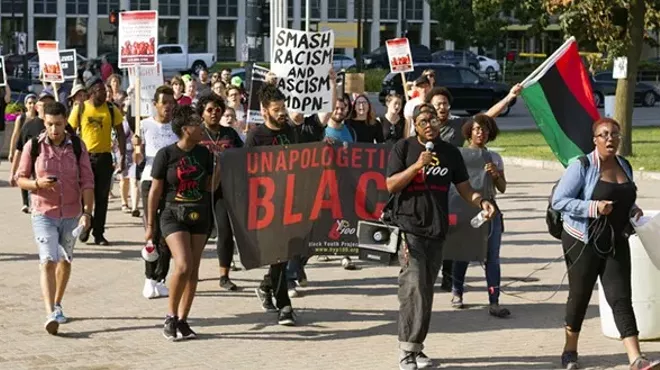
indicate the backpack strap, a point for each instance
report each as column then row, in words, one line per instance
column 584, row 161
column 111, row 109
column 35, row 150
column 77, row 147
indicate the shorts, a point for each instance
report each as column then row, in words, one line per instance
column 54, row 238
column 130, row 167
column 190, row 218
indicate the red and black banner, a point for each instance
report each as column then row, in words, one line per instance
column 302, row 199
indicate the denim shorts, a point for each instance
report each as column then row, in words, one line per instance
column 54, row 238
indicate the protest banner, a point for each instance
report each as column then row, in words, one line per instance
column 400, row 57
column 49, row 61
column 138, row 38
column 302, row 61
column 150, row 79
column 3, row 73
column 69, row 62
column 254, row 106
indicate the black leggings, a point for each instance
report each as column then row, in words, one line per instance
column 585, row 264
column 26, row 200
column 158, row 269
column 225, row 237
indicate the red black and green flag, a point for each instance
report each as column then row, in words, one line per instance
column 560, row 99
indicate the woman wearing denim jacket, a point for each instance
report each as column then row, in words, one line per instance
column 597, row 200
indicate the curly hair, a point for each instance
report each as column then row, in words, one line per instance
column 439, row 91
column 209, row 98
column 270, row 93
column 181, row 116
column 486, row 123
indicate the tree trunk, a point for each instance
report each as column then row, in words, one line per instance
column 625, row 88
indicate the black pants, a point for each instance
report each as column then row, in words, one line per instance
column 102, row 168
column 158, row 269
column 275, row 281
column 225, row 237
column 585, row 264
column 447, row 272
column 26, row 200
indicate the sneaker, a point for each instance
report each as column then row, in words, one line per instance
column 125, row 209
column 169, row 328
column 569, row 360
column 135, row 213
column 84, row 235
column 457, row 302
column 303, row 283
column 59, row 314
column 291, row 289
column 347, row 264
column 407, row 361
column 495, row 310
column 149, row 290
column 286, row 317
column 100, row 240
column 323, row 258
column 185, row 331
column 423, row 361
column 227, row 284
column 446, row 284
column 25, row 209
column 642, row 363
column 51, row 324
column 266, row 298
column 161, row 289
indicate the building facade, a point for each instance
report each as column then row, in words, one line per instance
column 213, row 26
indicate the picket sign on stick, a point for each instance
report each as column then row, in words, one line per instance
column 57, row 97
column 405, row 86
column 398, row 52
column 138, row 109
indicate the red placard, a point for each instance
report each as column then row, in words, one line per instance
column 398, row 52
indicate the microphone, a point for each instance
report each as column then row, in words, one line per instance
column 429, row 146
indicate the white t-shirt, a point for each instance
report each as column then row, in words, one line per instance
column 155, row 136
column 408, row 111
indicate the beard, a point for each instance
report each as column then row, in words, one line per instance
column 277, row 122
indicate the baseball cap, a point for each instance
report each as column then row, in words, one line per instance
column 45, row 94
column 423, row 108
column 93, row 81
column 422, row 80
column 237, row 81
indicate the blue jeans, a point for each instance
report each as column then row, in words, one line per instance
column 493, row 270
column 54, row 238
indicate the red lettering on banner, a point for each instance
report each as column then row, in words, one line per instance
column 305, row 158
column 266, row 162
column 252, row 163
column 294, row 157
column 289, row 216
column 382, row 158
column 281, row 162
column 361, row 195
column 326, row 156
column 357, row 157
column 342, row 157
column 370, row 156
column 329, row 182
column 315, row 160
column 255, row 203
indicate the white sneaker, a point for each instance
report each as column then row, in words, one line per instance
column 149, row 290
column 161, row 290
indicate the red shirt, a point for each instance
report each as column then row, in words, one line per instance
column 184, row 100
column 106, row 71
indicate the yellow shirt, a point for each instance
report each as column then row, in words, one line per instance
column 95, row 126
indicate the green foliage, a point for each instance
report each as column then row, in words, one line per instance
column 14, row 107
column 373, row 79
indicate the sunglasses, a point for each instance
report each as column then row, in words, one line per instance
column 211, row 110
column 424, row 123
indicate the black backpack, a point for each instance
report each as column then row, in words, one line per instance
column 553, row 217
column 35, row 150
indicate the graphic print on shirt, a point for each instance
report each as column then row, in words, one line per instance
column 430, row 176
column 95, row 122
column 189, row 173
column 281, row 139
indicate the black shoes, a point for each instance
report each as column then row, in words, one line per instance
column 100, row 240
column 169, row 328
column 185, row 331
column 226, row 284
column 266, row 299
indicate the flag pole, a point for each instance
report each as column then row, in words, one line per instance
column 549, row 60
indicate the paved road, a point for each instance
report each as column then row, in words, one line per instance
column 347, row 319
column 520, row 119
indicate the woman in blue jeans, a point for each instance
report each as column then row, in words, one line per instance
column 479, row 131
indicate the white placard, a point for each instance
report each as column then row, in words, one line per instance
column 398, row 52
column 620, row 70
column 138, row 38
column 3, row 73
column 150, row 79
column 49, row 61
column 302, row 62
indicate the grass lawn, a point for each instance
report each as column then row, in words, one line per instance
column 530, row 144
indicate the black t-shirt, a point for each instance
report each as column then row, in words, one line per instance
column 311, row 130
column 30, row 129
column 421, row 208
column 264, row 136
column 217, row 142
column 366, row 133
column 452, row 131
column 186, row 174
column 3, row 106
column 392, row 132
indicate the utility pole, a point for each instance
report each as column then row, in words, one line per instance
column 26, row 72
column 254, row 37
column 308, row 13
column 359, row 5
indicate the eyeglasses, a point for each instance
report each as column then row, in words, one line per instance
column 424, row 123
column 211, row 110
column 607, row 135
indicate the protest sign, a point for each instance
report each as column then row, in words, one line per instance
column 49, row 61
column 150, row 79
column 69, row 62
column 398, row 52
column 302, row 62
column 3, row 73
column 254, row 106
column 138, row 38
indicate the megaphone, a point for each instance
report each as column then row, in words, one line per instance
column 378, row 242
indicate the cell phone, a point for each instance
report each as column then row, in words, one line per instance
column 52, row 178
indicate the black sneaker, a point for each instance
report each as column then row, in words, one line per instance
column 569, row 360
column 169, row 329
column 266, row 298
column 227, row 284
column 84, row 235
column 185, row 331
column 100, row 240
column 135, row 213
column 286, row 317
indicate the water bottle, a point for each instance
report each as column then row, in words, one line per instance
column 149, row 252
column 77, row 231
column 478, row 220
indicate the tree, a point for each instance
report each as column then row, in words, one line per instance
column 617, row 28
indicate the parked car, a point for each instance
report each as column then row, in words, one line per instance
column 457, row 57
column 488, row 65
column 14, row 64
column 471, row 92
column 378, row 57
column 175, row 58
column 604, row 84
column 342, row 61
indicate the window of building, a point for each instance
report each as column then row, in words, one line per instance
column 7, row 5
column 140, row 4
column 107, row 37
column 389, row 9
column 228, row 8
column 315, row 12
column 368, row 10
column 168, row 31
column 198, row 8
column 226, row 40
column 77, row 7
column 289, row 10
column 337, row 9
column 415, row 9
column 197, row 35
column 76, row 34
column 45, row 7
column 44, row 29
column 105, row 6
column 169, row 7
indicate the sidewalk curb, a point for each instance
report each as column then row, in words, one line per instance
column 553, row 165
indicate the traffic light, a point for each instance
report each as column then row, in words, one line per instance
column 113, row 17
